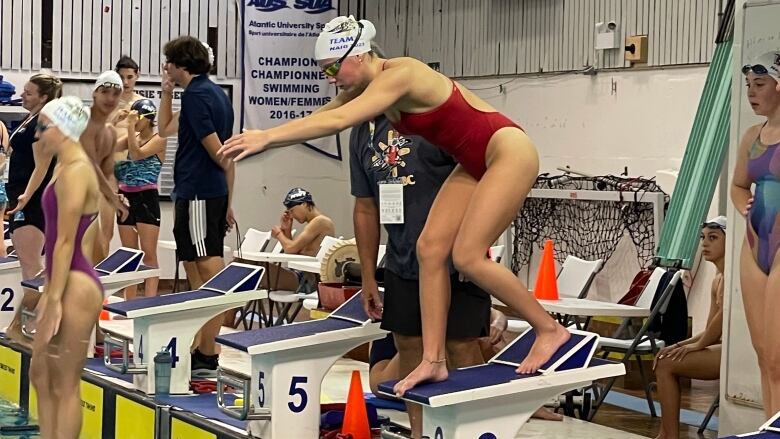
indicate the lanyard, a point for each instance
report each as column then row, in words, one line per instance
column 22, row 127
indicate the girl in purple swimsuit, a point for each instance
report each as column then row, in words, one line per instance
column 758, row 163
column 72, row 298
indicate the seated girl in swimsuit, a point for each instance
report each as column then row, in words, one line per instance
column 758, row 163
column 498, row 164
column 699, row 356
column 73, row 296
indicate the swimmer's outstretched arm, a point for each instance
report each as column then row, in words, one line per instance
column 71, row 190
column 385, row 90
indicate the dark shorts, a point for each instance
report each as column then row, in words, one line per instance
column 381, row 350
column 199, row 227
column 469, row 314
column 144, row 208
column 31, row 215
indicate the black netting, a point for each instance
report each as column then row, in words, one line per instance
column 585, row 228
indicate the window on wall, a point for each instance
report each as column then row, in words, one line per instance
column 47, row 30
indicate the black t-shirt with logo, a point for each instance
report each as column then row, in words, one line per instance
column 420, row 166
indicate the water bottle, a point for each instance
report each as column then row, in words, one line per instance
column 162, row 373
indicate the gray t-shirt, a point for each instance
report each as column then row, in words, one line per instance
column 421, row 167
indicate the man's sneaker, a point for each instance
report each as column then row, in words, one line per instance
column 204, row 366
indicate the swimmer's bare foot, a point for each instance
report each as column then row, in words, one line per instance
column 546, row 344
column 425, row 371
column 547, row 415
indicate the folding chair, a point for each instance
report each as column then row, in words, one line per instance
column 643, row 342
column 292, row 301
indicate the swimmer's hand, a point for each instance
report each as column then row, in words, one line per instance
column 372, row 303
column 48, row 317
column 119, row 116
column 243, row 145
column 21, row 201
column 286, row 222
column 498, row 324
column 748, row 206
column 121, row 204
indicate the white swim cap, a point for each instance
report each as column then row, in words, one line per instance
column 109, row 78
column 717, row 222
column 339, row 35
column 766, row 64
column 69, row 115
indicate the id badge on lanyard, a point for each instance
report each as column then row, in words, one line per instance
column 391, row 201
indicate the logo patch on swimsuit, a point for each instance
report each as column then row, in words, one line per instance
column 392, row 156
column 267, row 5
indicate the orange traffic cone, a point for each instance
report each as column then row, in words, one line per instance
column 355, row 415
column 546, row 281
column 104, row 314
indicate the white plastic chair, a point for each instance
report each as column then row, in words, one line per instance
column 576, row 276
column 254, row 241
column 293, row 300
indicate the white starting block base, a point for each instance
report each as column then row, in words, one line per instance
column 288, row 365
column 492, row 401
column 172, row 320
column 10, row 290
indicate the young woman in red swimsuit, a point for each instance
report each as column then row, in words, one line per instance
column 498, row 166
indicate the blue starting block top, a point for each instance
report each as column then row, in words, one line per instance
column 10, row 258
column 770, row 430
column 349, row 315
column 123, row 260
column 233, row 279
column 574, row 354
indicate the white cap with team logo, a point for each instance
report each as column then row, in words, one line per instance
column 717, row 222
column 339, row 34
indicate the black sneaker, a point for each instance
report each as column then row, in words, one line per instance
column 203, row 366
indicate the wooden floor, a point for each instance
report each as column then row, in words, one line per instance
column 698, row 397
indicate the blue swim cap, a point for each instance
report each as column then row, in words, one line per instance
column 297, row 196
column 145, row 108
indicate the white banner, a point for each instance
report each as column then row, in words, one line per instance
column 281, row 78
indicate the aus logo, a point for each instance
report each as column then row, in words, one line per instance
column 314, row 6
column 267, row 5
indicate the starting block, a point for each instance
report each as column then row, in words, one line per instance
column 121, row 269
column 172, row 320
column 770, row 430
column 288, row 364
column 493, row 401
column 10, row 291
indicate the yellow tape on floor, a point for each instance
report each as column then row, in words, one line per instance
column 133, row 420
column 10, row 374
column 183, row 430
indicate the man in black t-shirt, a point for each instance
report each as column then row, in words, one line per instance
column 383, row 162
